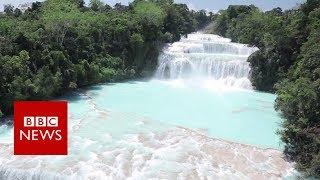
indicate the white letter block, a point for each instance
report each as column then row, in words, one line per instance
column 28, row 121
column 41, row 121
column 52, row 121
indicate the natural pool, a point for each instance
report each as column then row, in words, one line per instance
column 197, row 119
column 237, row 115
column 149, row 129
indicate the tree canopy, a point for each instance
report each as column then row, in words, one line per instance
column 288, row 63
column 56, row 46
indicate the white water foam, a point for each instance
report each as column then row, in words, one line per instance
column 112, row 145
column 118, row 145
column 176, row 153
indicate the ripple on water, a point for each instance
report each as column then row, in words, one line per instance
column 112, row 135
column 146, row 149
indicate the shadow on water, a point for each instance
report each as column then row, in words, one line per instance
column 73, row 96
column 78, row 95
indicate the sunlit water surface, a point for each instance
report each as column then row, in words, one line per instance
column 198, row 118
column 237, row 115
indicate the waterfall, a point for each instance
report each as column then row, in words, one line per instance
column 209, row 57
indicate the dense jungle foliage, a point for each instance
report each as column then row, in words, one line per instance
column 60, row 45
column 287, row 63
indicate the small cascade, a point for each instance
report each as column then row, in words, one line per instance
column 206, row 56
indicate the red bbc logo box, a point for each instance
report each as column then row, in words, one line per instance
column 40, row 128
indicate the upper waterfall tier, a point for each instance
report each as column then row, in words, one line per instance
column 207, row 56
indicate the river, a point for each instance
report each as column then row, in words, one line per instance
column 197, row 118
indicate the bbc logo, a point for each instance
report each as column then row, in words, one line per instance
column 40, row 121
column 40, row 128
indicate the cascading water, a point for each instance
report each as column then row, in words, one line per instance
column 209, row 57
column 153, row 130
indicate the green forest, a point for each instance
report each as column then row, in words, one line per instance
column 57, row 45
column 287, row 63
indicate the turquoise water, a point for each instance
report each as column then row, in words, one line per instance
column 133, row 129
column 243, row 116
column 137, row 129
